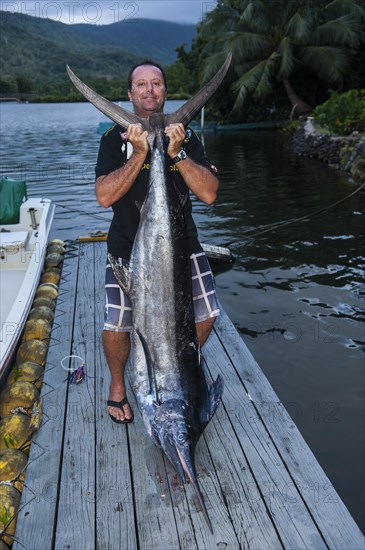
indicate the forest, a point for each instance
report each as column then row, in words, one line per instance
column 288, row 57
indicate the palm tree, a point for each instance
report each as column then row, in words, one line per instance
column 273, row 39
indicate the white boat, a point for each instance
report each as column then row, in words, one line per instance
column 23, row 248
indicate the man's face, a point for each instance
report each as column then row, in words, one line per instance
column 148, row 92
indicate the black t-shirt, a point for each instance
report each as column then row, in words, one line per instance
column 113, row 155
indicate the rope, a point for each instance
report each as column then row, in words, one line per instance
column 278, row 225
column 82, row 212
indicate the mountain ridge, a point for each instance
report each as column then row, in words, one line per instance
column 38, row 49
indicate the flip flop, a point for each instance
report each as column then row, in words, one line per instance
column 120, row 405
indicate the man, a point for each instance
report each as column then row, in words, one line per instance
column 122, row 173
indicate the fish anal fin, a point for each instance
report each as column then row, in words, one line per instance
column 214, row 395
column 150, row 370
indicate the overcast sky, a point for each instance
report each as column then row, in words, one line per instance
column 110, row 11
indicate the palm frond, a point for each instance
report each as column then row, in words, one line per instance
column 248, row 82
column 256, row 81
column 212, row 64
column 264, row 87
column 299, row 26
column 328, row 62
column 248, row 45
column 337, row 8
column 254, row 17
column 343, row 31
column 287, row 60
column 211, row 30
column 220, row 20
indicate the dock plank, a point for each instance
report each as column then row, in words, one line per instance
column 76, row 502
column 38, row 510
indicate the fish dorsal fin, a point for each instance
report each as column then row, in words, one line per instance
column 190, row 109
column 117, row 114
column 121, row 273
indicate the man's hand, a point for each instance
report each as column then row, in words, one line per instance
column 138, row 138
column 176, row 135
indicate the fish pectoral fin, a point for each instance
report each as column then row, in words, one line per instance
column 215, row 391
column 182, row 197
column 121, row 273
column 150, row 369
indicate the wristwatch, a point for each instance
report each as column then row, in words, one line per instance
column 180, row 156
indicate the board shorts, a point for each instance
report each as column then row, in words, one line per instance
column 118, row 309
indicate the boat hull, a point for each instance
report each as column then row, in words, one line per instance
column 22, row 252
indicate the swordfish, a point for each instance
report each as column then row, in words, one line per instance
column 167, row 374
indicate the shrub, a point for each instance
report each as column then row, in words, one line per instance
column 342, row 113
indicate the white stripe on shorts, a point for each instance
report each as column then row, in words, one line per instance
column 199, row 277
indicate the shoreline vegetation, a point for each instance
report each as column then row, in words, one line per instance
column 71, row 98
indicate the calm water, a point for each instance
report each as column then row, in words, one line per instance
column 295, row 293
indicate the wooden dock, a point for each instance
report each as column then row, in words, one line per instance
column 93, row 484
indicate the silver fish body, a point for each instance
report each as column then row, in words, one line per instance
column 166, row 374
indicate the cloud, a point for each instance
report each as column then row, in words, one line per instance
column 103, row 12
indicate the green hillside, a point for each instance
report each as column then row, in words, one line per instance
column 142, row 37
column 34, row 51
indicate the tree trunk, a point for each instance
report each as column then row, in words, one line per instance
column 300, row 107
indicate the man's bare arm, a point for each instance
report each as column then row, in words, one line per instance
column 113, row 186
column 198, row 178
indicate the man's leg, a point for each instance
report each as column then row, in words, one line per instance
column 116, row 341
column 116, row 348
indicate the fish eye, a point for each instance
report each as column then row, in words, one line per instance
column 182, row 437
